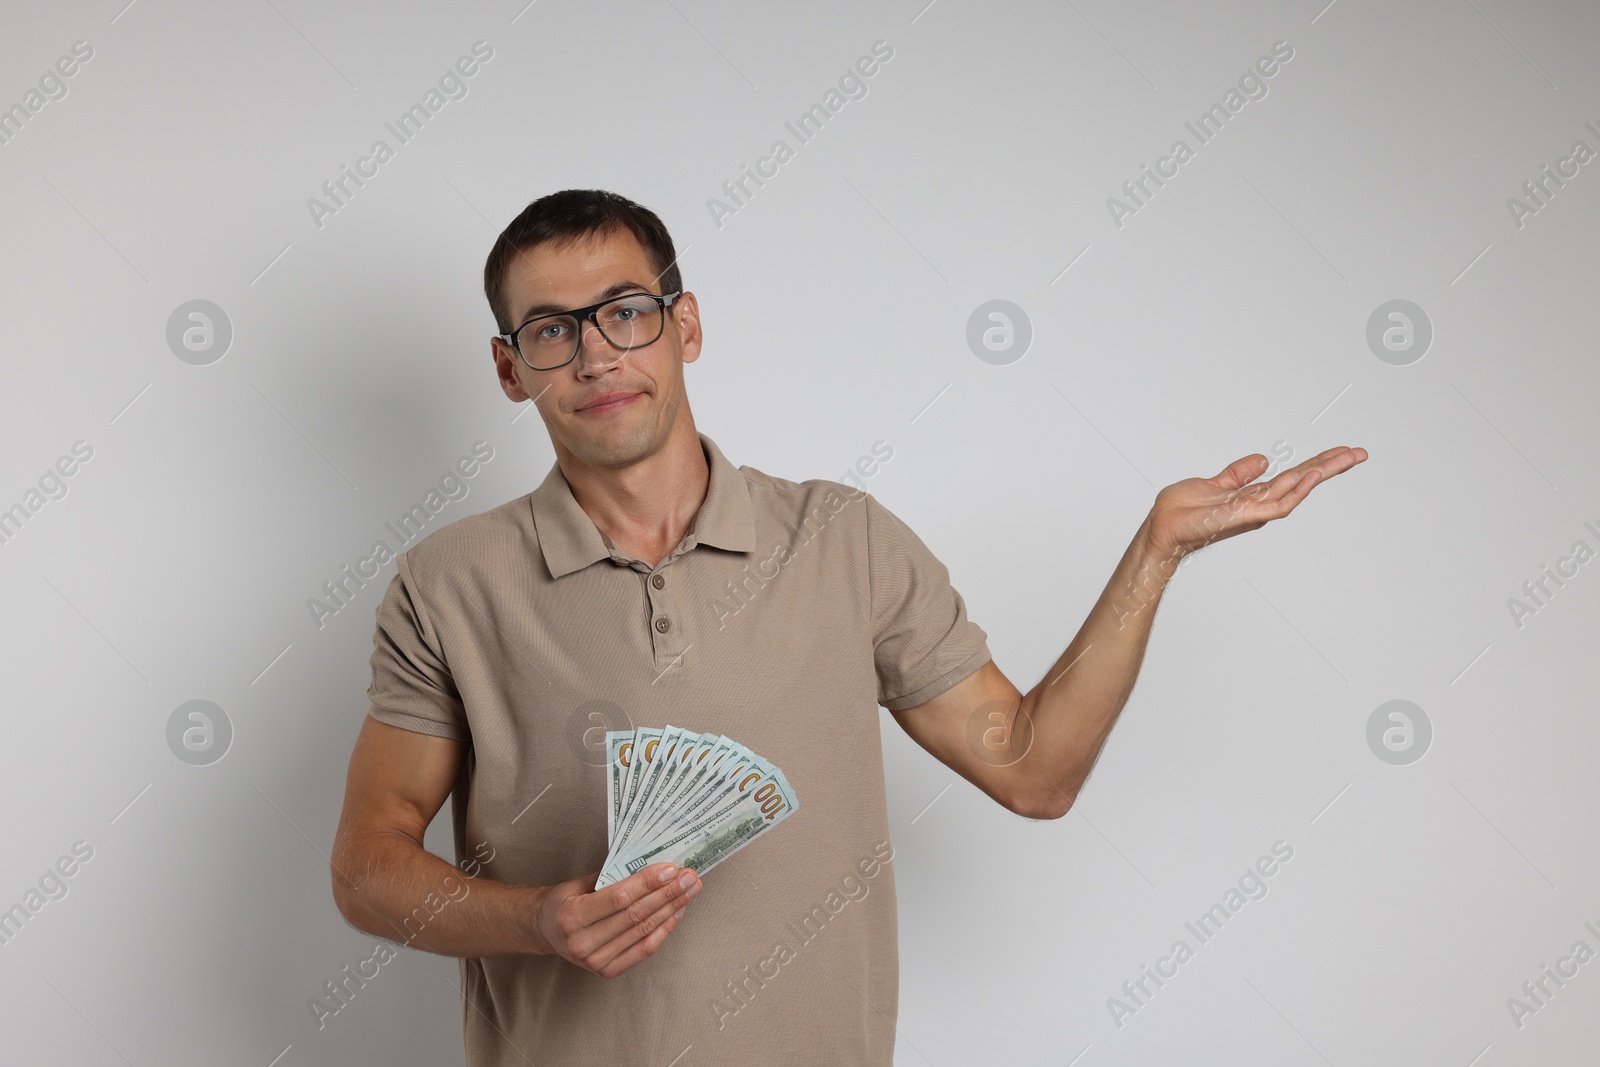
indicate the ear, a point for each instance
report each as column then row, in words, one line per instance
column 685, row 313
column 506, row 369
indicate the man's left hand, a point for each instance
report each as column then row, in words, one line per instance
column 1197, row 511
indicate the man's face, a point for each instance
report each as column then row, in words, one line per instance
column 550, row 277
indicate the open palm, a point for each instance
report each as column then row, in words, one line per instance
column 1197, row 511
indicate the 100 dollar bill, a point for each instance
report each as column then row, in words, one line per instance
column 688, row 799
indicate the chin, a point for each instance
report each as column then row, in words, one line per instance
column 616, row 446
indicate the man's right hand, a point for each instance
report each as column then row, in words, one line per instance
column 608, row 931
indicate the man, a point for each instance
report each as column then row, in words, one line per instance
column 649, row 581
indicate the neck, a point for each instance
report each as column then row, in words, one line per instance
column 645, row 506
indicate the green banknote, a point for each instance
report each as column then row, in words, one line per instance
column 692, row 800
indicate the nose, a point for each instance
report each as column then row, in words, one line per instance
column 594, row 350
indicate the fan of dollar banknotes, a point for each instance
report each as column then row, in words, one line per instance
column 684, row 798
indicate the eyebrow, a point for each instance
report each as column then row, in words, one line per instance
column 606, row 294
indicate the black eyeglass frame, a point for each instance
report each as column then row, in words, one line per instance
column 664, row 300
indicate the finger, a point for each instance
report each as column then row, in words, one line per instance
column 600, row 958
column 1337, row 461
column 1326, row 453
column 1333, row 460
column 600, row 904
column 642, row 950
column 1292, row 498
column 1282, row 483
column 1240, row 472
column 1342, row 461
column 1282, row 494
column 1261, row 503
column 1287, row 481
column 675, row 892
column 1280, row 505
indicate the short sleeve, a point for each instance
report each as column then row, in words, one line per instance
column 923, row 643
column 412, row 687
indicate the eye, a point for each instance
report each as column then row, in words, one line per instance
column 544, row 334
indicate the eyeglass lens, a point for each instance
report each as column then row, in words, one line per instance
column 627, row 322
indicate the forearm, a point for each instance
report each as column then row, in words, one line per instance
column 388, row 885
column 1075, row 705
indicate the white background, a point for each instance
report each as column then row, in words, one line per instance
column 1227, row 316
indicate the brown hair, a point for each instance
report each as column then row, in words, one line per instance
column 565, row 216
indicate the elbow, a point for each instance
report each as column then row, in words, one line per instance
column 345, row 895
column 351, row 909
column 1047, row 801
column 1047, row 811
column 341, row 895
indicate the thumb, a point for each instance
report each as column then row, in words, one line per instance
column 1240, row 472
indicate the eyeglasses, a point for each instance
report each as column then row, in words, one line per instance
column 626, row 322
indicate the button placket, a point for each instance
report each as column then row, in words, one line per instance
column 665, row 634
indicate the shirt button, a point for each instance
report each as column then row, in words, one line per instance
column 662, row 625
column 658, row 581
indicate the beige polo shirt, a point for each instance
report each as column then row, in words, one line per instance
column 786, row 615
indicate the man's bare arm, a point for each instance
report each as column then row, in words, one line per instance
column 1033, row 752
column 387, row 884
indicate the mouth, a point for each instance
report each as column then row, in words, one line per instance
column 609, row 402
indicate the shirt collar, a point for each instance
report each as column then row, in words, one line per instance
column 571, row 541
